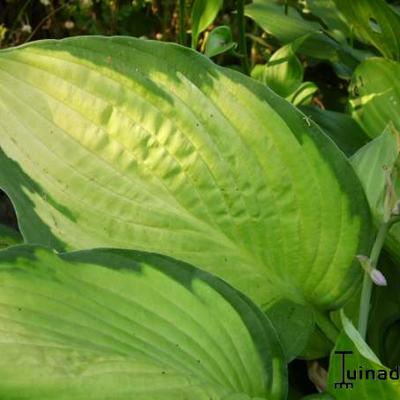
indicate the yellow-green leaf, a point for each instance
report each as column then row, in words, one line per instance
column 103, row 145
column 118, row 324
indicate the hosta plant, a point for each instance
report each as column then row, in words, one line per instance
column 104, row 145
column 187, row 231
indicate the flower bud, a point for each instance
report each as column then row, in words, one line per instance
column 377, row 277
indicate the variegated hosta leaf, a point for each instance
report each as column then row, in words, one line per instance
column 118, row 324
column 375, row 95
column 122, row 142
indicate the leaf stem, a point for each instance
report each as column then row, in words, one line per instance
column 367, row 282
column 242, row 36
column 182, row 20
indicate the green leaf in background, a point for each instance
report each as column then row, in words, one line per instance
column 303, row 94
column 118, row 324
column 9, row 237
column 384, row 327
column 370, row 163
column 106, row 146
column 375, row 22
column 271, row 16
column 219, row 41
column 341, row 128
column 283, row 73
column 375, row 103
column 203, row 14
column 375, row 95
column 294, row 324
column 328, row 12
column 318, row 346
column 362, row 358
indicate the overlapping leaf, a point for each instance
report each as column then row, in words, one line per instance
column 219, row 41
column 362, row 358
column 341, row 128
column 203, row 14
column 284, row 23
column 373, row 163
column 127, row 143
column 288, row 25
column 283, row 73
column 375, row 95
column 328, row 12
column 119, row 324
column 376, row 22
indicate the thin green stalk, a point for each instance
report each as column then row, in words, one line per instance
column 366, row 292
column 242, row 37
column 286, row 7
column 182, row 20
column 352, row 36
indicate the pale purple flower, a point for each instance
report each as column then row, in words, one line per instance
column 377, row 277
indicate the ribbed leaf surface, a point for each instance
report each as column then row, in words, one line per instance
column 129, row 143
column 113, row 324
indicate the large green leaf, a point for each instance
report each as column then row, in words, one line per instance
column 118, row 324
column 104, row 145
column 375, row 95
column 376, row 22
column 363, row 359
